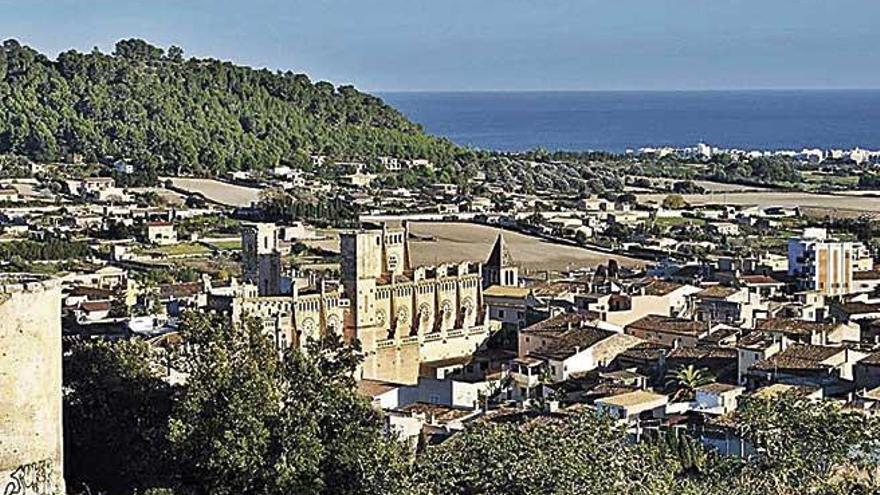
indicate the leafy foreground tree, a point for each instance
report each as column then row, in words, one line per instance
column 242, row 422
column 116, row 412
column 802, row 447
column 581, row 455
column 246, row 422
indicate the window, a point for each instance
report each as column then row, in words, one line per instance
column 501, row 313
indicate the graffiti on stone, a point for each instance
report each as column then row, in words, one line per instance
column 35, row 478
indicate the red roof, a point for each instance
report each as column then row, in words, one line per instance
column 91, row 306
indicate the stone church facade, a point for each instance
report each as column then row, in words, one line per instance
column 405, row 315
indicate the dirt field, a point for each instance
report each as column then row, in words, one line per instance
column 470, row 242
column 220, row 192
column 709, row 186
column 773, row 198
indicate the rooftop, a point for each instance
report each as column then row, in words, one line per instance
column 759, row 280
column 859, row 308
column 502, row 291
column 717, row 292
column 756, row 341
column 794, row 326
column 866, row 275
column 373, row 388
column 571, row 342
column 561, row 323
column 796, row 357
column 669, row 324
column 718, row 388
column 660, row 288
column 636, row 398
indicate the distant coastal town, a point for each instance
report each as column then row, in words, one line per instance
column 704, row 151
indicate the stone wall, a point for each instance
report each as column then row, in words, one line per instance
column 30, row 386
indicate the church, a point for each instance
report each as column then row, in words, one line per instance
column 405, row 315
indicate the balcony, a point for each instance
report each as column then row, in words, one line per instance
column 453, row 334
column 384, row 344
column 526, row 371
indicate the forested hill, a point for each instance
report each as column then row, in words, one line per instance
column 171, row 114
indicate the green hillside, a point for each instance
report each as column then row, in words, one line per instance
column 170, row 114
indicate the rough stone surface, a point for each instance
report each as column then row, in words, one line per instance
column 30, row 386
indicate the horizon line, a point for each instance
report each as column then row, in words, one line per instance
column 628, row 90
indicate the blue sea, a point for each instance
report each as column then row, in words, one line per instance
column 618, row 120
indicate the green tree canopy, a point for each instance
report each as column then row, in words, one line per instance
column 241, row 421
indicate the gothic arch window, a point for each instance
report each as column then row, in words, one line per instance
column 446, row 309
column 308, row 327
column 467, row 306
column 333, row 324
column 402, row 316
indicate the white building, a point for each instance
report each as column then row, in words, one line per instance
column 821, row 263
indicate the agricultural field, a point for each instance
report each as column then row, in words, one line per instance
column 181, row 249
column 709, row 186
column 827, row 203
column 216, row 191
column 446, row 242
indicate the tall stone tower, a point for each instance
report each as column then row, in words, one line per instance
column 367, row 257
column 499, row 268
column 261, row 258
column 31, row 446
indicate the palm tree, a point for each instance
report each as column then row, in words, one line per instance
column 686, row 379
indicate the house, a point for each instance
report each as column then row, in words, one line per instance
column 359, row 179
column 178, row 296
column 444, row 189
column 123, row 167
column 866, row 281
column 762, row 285
column 866, row 372
column 669, row 330
column 724, row 228
column 730, row 305
column 809, row 332
column 855, row 311
column 91, row 311
column 390, row 163
column 8, row 195
column 161, row 233
column 722, row 361
column 104, row 277
column 827, row 367
column 632, row 406
column 94, row 186
column 509, row 305
column 570, row 344
column 656, row 297
column 526, row 375
column 754, row 347
column 450, row 392
column 717, row 398
column 382, row 395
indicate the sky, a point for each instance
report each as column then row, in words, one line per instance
column 477, row 45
